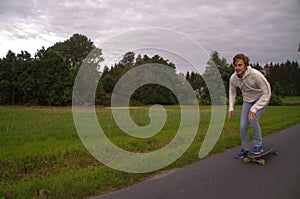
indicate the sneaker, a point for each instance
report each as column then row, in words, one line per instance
column 242, row 154
column 257, row 150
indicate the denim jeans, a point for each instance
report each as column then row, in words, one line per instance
column 254, row 123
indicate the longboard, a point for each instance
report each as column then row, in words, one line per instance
column 259, row 158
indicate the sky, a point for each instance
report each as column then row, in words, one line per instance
column 265, row 31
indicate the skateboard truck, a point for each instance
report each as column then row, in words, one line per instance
column 259, row 157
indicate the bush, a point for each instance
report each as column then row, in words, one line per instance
column 275, row 100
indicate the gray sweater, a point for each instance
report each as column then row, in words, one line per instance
column 254, row 87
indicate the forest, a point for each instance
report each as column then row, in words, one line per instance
column 47, row 78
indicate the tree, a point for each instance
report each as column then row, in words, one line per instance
column 8, row 74
column 24, row 65
column 283, row 78
column 108, row 83
column 147, row 94
column 153, row 93
column 216, row 67
column 128, row 60
column 53, row 78
column 73, row 51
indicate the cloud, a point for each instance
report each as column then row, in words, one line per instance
column 265, row 30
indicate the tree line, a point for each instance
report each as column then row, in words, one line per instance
column 47, row 78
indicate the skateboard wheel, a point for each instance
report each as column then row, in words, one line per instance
column 262, row 162
column 246, row 160
column 275, row 153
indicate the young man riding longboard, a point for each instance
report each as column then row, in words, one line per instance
column 256, row 93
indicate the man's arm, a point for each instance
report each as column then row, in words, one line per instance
column 232, row 95
column 266, row 94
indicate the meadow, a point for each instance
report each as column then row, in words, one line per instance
column 291, row 100
column 42, row 156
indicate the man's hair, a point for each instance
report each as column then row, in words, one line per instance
column 242, row 57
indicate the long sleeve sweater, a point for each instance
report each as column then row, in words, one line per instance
column 254, row 87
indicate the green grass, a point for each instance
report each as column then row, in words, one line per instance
column 291, row 100
column 41, row 155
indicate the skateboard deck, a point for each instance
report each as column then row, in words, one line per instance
column 258, row 158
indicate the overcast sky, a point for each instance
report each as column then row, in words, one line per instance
column 266, row 30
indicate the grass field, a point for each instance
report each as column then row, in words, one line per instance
column 291, row 100
column 41, row 155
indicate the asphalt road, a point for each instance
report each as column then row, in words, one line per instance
column 222, row 176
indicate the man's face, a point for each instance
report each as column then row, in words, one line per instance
column 240, row 67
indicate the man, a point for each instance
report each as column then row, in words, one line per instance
column 256, row 93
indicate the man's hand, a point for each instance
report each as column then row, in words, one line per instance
column 230, row 113
column 252, row 115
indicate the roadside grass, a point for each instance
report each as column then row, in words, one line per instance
column 291, row 100
column 42, row 156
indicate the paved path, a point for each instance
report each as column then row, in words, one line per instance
column 222, row 176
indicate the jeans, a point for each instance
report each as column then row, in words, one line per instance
column 254, row 123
